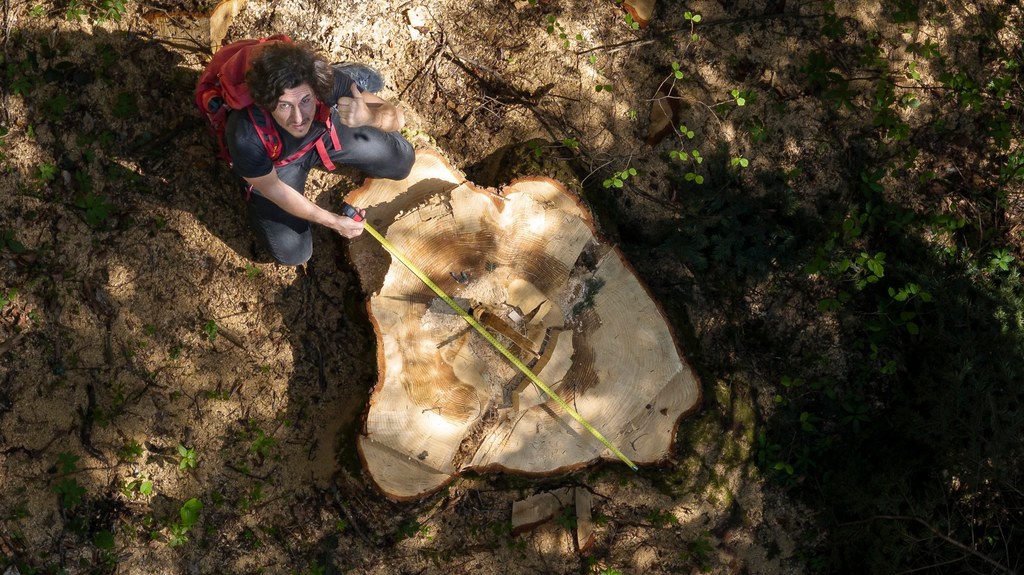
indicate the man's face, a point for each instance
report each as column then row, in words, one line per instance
column 295, row 110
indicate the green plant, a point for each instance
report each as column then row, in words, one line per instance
column 139, row 485
column 7, row 296
column 188, row 516
column 130, row 451
column 68, row 488
column 125, row 106
column 103, row 539
column 252, row 497
column 694, row 19
column 70, row 492
column 409, row 529
column 110, row 10
column 1000, row 260
column 535, row 148
column 95, row 209
column 741, row 96
column 75, row 11
column 739, row 162
column 556, row 28
column 757, row 130
column 618, row 179
column 677, row 73
column 693, row 159
column 662, row 518
column 187, row 458
column 46, row 172
column 262, row 444
column 567, row 518
column 210, row 328
column 700, row 551
column 55, row 107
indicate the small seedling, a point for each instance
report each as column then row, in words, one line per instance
column 262, row 444
column 554, row 27
column 70, row 492
column 95, row 208
column 693, row 19
column 662, row 518
column 567, row 519
column 618, row 179
column 700, row 550
column 210, row 328
column 189, row 515
column 676, row 72
column 142, row 486
column 187, row 457
column 7, row 296
column 740, row 162
column 10, row 242
column 130, row 451
column 67, row 488
column 1001, row 259
column 46, row 172
column 536, row 149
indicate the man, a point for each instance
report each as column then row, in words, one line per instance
column 287, row 80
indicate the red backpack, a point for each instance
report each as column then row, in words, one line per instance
column 221, row 88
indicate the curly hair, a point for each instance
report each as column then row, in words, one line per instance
column 282, row 66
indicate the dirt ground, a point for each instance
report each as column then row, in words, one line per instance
column 144, row 319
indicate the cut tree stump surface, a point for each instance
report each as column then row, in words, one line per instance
column 528, row 264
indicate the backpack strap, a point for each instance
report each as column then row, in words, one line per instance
column 268, row 134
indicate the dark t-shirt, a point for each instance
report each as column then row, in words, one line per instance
column 249, row 156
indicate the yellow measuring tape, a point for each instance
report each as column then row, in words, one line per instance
column 497, row 344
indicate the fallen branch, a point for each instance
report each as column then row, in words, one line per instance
column 999, row 566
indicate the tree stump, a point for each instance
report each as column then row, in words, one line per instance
column 527, row 263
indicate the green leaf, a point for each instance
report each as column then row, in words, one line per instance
column 68, row 462
column 190, row 512
column 103, row 539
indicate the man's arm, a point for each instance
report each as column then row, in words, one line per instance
column 290, row 200
column 368, row 109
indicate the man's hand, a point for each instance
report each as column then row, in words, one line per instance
column 353, row 112
column 349, row 227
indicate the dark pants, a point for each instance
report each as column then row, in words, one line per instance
column 377, row 154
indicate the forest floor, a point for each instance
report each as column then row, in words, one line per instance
column 172, row 403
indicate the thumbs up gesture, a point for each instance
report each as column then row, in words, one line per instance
column 353, row 112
